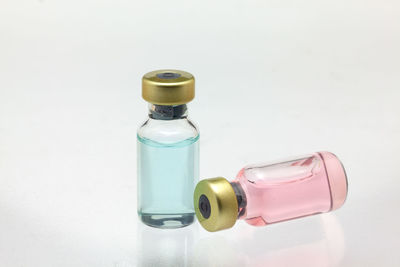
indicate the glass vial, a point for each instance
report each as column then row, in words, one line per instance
column 168, row 151
column 263, row 194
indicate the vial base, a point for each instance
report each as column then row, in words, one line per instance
column 167, row 221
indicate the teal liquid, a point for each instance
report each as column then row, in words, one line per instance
column 167, row 174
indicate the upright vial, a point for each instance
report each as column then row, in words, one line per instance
column 269, row 193
column 167, row 151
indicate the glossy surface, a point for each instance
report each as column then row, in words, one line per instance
column 275, row 78
column 167, row 167
column 292, row 188
column 166, row 177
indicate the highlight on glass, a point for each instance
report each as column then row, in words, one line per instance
column 167, row 151
column 268, row 193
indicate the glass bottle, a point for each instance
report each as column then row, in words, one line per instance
column 268, row 193
column 167, row 151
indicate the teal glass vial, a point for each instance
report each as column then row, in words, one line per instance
column 167, row 151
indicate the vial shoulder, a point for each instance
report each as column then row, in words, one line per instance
column 168, row 131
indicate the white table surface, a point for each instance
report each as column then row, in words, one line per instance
column 274, row 79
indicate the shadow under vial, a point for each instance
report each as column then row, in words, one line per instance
column 314, row 241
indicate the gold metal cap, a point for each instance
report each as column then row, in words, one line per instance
column 168, row 87
column 215, row 204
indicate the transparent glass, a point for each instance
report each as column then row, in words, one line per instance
column 167, row 167
column 289, row 189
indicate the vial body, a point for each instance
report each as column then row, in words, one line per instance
column 168, row 167
column 289, row 189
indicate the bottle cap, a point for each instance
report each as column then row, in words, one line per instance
column 215, row 204
column 168, row 87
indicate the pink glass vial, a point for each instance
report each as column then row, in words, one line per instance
column 268, row 193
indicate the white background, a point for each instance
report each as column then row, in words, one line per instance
column 274, row 79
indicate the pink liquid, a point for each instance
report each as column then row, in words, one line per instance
column 294, row 188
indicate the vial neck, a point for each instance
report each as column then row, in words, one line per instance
column 241, row 199
column 175, row 112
